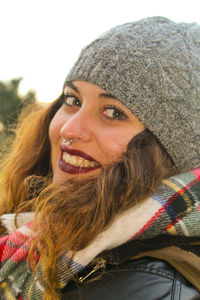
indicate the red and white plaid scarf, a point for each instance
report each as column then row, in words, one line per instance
column 174, row 211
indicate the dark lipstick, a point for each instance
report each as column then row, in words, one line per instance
column 71, row 169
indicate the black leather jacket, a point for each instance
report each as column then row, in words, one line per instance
column 142, row 279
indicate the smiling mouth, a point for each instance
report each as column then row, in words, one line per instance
column 78, row 161
column 73, row 162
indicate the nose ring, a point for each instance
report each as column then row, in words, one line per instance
column 68, row 142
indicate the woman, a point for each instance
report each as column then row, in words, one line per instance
column 111, row 171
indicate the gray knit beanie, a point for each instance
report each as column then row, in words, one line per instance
column 153, row 67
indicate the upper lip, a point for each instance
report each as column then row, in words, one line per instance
column 77, row 153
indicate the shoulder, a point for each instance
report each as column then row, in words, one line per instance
column 145, row 278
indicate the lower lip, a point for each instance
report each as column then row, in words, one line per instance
column 72, row 169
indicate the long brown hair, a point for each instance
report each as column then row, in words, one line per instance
column 78, row 209
column 29, row 155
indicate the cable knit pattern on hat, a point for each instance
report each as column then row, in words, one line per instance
column 153, row 67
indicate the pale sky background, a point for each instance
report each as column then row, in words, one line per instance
column 41, row 39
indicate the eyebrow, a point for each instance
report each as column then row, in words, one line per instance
column 102, row 95
column 71, row 85
column 106, row 95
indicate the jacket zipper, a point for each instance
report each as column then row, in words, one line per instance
column 100, row 264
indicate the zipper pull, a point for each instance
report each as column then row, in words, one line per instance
column 100, row 264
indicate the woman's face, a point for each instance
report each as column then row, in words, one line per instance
column 99, row 125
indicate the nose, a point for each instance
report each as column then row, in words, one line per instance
column 78, row 127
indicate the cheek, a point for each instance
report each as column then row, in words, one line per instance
column 114, row 144
column 117, row 140
column 54, row 137
column 54, row 128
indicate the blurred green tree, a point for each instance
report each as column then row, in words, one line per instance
column 11, row 102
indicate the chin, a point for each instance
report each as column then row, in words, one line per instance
column 61, row 176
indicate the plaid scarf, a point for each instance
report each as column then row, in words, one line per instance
column 174, row 211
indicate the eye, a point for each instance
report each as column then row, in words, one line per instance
column 71, row 100
column 114, row 113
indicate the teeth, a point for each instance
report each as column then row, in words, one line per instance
column 78, row 161
column 86, row 164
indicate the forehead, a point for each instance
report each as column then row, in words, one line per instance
column 84, row 87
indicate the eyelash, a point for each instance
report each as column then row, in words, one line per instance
column 65, row 96
column 121, row 116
